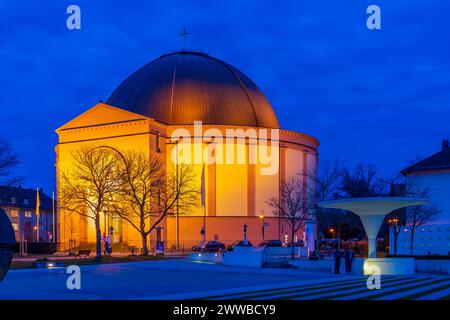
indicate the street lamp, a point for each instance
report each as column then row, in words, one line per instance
column 393, row 222
column 261, row 216
column 177, row 214
column 332, row 231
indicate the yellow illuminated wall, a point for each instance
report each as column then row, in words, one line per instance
column 235, row 193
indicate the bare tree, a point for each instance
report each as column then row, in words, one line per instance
column 327, row 182
column 89, row 186
column 149, row 193
column 361, row 182
column 417, row 216
column 295, row 204
column 8, row 161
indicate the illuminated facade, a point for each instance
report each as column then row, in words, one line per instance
column 154, row 111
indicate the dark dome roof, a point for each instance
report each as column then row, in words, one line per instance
column 182, row 87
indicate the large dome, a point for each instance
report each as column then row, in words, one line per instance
column 182, row 87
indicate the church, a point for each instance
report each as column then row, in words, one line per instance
column 189, row 93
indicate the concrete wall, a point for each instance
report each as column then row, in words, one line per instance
column 433, row 266
column 327, row 265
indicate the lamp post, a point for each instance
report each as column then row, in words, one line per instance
column 332, row 232
column 177, row 213
column 261, row 216
column 393, row 222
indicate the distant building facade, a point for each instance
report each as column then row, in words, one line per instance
column 20, row 206
column 434, row 173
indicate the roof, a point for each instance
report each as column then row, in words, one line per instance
column 20, row 194
column 186, row 86
column 438, row 161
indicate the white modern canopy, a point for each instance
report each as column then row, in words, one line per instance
column 372, row 212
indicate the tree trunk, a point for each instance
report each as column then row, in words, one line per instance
column 293, row 244
column 395, row 242
column 98, row 236
column 144, row 244
column 411, row 246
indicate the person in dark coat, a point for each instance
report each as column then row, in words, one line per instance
column 349, row 256
column 337, row 261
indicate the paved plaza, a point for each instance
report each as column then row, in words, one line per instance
column 182, row 279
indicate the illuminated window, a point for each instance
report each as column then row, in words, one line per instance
column 158, row 147
column 28, row 214
column 15, row 226
column 13, row 200
column 405, row 230
column 422, row 229
column 25, row 201
column 14, row 214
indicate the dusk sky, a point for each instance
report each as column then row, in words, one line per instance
column 380, row 97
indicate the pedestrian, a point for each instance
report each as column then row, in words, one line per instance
column 337, row 261
column 349, row 256
column 108, row 247
column 105, row 244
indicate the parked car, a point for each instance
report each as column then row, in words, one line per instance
column 299, row 243
column 271, row 243
column 239, row 243
column 211, row 246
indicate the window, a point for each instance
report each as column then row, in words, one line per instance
column 158, row 147
column 13, row 199
column 15, row 226
column 25, row 201
column 14, row 214
column 28, row 214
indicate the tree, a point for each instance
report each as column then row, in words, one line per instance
column 149, row 194
column 295, row 204
column 9, row 159
column 361, row 182
column 417, row 216
column 89, row 186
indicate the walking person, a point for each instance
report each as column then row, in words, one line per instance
column 349, row 256
column 109, row 248
column 106, row 244
column 337, row 261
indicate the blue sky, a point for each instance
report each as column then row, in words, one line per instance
column 379, row 97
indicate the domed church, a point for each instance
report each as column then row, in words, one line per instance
column 191, row 94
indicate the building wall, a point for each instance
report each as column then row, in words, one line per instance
column 428, row 239
column 434, row 237
column 235, row 193
column 24, row 225
column 439, row 184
